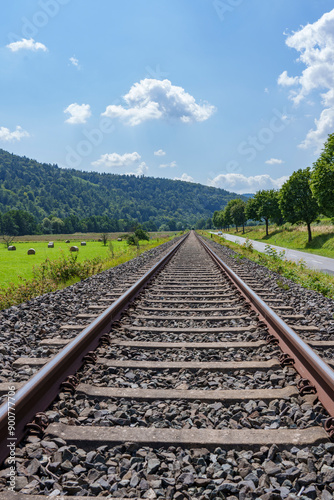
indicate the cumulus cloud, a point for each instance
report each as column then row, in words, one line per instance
column 184, row 177
column 315, row 44
column 239, row 183
column 160, row 152
column 75, row 62
column 26, row 44
column 115, row 160
column 287, row 81
column 274, row 161
column 79, row 113
column 141, row 170
column 172, row 164
column 323, row 126
column 152, row 99
column 16, row 135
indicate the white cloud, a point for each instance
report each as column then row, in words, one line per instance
column 184, row 177
column 152, row 99
column 79, row 113
column 287, row 81
column 172, row 164
column 141, row 170
column 315, row 43
column 115, row 160
column 274, row 161
column 160, row 152
column 324, row 126
column 16, row 135
column 75, row 62
column 239, row 183
column 26, row 45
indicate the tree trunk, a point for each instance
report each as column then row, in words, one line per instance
column 267, row 233
column 309, row 232
column 243, row 229
column 236, row 228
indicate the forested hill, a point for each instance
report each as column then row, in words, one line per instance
column 43, row 190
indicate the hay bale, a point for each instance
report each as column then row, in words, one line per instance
column 67, row 241
column 51, row 244
column 100, row 239
column 31, row 251
column 119, row 239
column 11, row 248
column 83, row 243
column 74, row 249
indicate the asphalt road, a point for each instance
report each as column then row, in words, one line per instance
column 324, row 264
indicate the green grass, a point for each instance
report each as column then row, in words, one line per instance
column 297, row 272
column 294, row 237
column 23, row 276
column 16, row 264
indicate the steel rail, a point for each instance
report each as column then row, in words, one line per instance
column 37, row 394
column 307, row 363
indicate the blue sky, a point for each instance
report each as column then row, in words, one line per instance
column 230, row 93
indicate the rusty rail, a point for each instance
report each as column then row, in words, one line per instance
column 36, row 395
column 308, row 364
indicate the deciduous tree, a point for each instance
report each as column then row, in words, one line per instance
column 238, row 214
column 297, row 201
column 322, row 178
column 264, row 206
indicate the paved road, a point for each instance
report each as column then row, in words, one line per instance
column 324, row 264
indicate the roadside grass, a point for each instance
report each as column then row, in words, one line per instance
column 297, row 272
column 23, row 276
column 294, row 237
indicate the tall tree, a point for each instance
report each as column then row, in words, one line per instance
column 322, row 178
column 238, row 214
column 264, row 206
column 219, row 219
column 297, row 201
column 227, row 212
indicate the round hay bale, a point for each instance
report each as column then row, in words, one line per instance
column 51, row 244
column 100, row 239
column 119, row 239
column 74, row 249
column 31, row 251
column 83, row 243
column 67, row 241
column 11, row 248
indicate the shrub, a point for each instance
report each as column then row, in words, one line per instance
column 141, row 234
column 132, row 240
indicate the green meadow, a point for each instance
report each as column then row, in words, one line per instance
column 15, row 265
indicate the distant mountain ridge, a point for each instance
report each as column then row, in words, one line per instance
column 44, row 189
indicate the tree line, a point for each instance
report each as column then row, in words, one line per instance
column 20, row 223
column 306, row 195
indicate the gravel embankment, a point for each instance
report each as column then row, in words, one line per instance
column 22, row 327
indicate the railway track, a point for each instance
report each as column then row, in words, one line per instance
column 187, row 394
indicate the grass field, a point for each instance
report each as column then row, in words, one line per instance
column 294, row 237
column 18, row 264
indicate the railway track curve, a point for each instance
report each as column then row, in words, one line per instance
column 194, row 381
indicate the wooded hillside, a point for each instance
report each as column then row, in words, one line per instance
column 43, row 190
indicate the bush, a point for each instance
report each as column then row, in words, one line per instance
column 132, row 240
column 248, row 245
column 141, row 234
column 65, row 269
